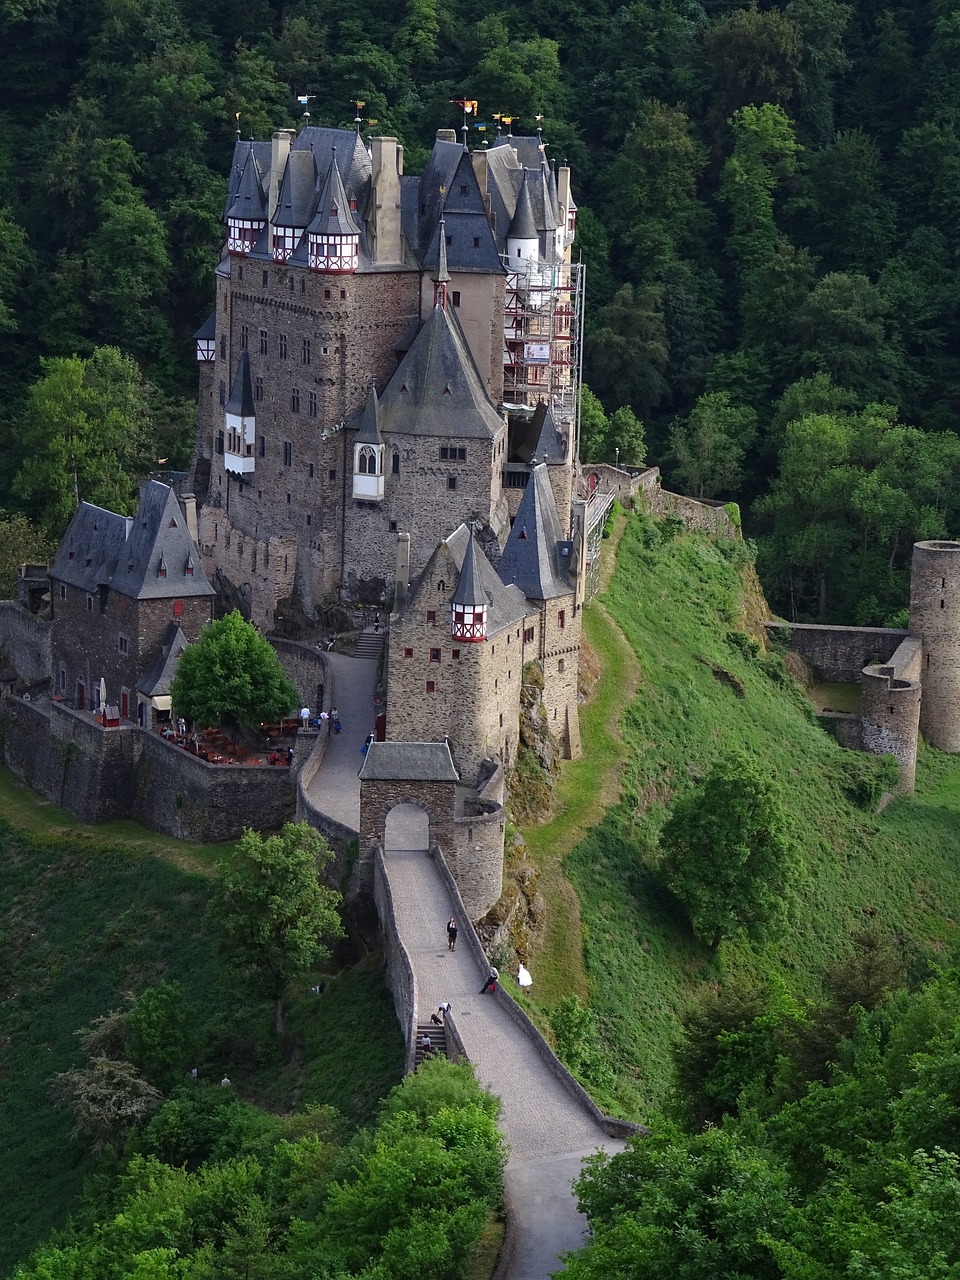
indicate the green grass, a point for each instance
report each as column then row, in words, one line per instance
column 705, row 689
column 91, row 916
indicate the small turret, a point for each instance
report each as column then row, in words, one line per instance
column 368, row 453
column 523, row 239
column 206, row 339
column 247, row 216
column 333, row 237
column 240, row 422
column 469, row 604
column 442, row 278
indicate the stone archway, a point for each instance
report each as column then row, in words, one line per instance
column 415, row 774
column 406, row 826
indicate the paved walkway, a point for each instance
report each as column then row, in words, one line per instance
column 548, row 1133
column 336, row 789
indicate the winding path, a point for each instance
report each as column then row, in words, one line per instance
column 548, row 1133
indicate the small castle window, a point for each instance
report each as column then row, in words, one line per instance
column 305, row 351
column 295, row 400
column 258, row 388
column 455, row 297
column 451, row 482
column 343, row 295
column 311, row 404
column 262, row 449
column 310, row 470
column 223, row 395
column 408, row 653
column 188, row 571
column 89, row 604
column 123, row 644
column 282, row 346
column 287, row 453
column 266, row 279
column 289, row 498
column 223, row 346
column 63, row 592
column 528, row 636
column 263, row 342
column 463, row 188
column 393, row 526
column 309, row 521
column 562, row 619
column 476, row 242
column 332, row 475
column 162, row 571
column 434, row 655
column 396, row 463
column 455, row 654
column 561, row 666
column 326, row 295
column 441, row 585
column 431, row 615
column 178, row 608
column 244, row 337
column 431, row 686
column 501, row 719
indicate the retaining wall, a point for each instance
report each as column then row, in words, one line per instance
column 26, row 641
column 399, row 971
column 307, row 668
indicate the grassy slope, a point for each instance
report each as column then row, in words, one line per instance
column 676, row 606
column 88, row 917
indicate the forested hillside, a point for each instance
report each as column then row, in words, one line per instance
column 768, row 204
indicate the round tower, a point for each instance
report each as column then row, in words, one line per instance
column 935, row 620
column 889, row 718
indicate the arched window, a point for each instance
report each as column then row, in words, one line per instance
column 367, row 463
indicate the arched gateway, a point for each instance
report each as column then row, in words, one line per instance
column 407, row 773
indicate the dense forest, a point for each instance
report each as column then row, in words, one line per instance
column 768, row 202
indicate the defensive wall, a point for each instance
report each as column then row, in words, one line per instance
column 400, row 976
column 25, row 639
column 641, row 487
column 838, row 654
column 100, row 775
column 307, row 668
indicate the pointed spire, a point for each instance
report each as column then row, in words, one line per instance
column 369, row 432
column 249, row 203
column 333, row 215
column 530, row 555
column 240, row 403
column 442, row 278
column 523, row 226
column 469, row 604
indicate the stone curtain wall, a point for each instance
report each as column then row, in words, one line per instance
column 25, row 639
column 307, row 668
column 642, row 488
column 399, row 971
column 838, row 654
column 102, row 774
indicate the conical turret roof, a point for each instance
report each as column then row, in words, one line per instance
column 470, row 589
column 249, row 204
column 333, row 216
column 241, row 393
column 523, row 226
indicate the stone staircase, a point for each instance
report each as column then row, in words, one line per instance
column 369, row 644
column 438, row 1041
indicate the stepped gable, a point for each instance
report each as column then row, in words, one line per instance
column 536, row 554
column 469, row 241
column 159, row 559
column 437, row 390
column 90, row 548
column 156, row 682
column 297, row 200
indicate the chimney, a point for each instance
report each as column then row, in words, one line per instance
column 446, row 135
column 403, row 570
column 384, row 223
column 279, row 151
column 188, row 505
column 479, row 158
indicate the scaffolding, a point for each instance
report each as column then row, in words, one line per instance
column 543, row 340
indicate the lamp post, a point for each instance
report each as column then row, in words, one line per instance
column 616, row 458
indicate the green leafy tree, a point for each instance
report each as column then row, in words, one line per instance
column 727, row 851
column 231, row 675
column 20, row 543
column 108, row 1099
column 275, row 918
column 84, row 435
column 158, row 1034
column 628, row 349
column 626, row 435
column 709, row 447
column 594, row 427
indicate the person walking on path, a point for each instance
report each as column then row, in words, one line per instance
column 452, row 934
column 438, row 1018
column 491, row 982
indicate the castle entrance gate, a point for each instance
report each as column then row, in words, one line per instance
column 397, row 777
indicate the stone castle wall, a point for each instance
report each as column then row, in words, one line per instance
column 838, row 654
column 935, row 619
column 307, row 668
column 25, row 639
column 400, row 976
column 100, row 775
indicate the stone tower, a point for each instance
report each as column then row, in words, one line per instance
column 935, row 619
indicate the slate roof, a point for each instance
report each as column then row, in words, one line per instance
column 522, row 226
column 511, row 164
column 297, row 198
column 470, row 589
column 369, row 432
column 506, row 605
column 435, row 182
column 156, row 682
column 470, row 242
column 208, row 330
column 353, row 162
column 409, row 761
column 241, row 153
column 159, row 538
column 241, row 393
column 536, row 555
column 437, row 390
column 90, row 547
column 551, row 443
column 333, row 216
column 249, row 201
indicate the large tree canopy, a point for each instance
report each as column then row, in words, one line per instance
column 276, row 920
column 231, row 675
